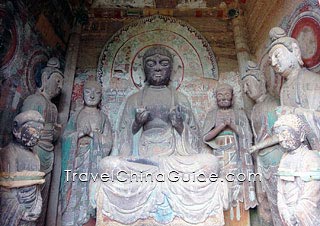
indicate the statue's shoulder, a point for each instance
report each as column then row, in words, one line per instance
column 35, row 99
column 181, row 97
column 240, row 113
column 310, row 76
column 272, row 100
column 311, row 159
column 134, row 97
column 8, row 154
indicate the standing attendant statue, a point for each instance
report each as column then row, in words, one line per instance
column 51, row 85
column 86, row 140
column 301, row 89
column 227, row 131
column 263, row 116
column 20, row 176
column 299, row 175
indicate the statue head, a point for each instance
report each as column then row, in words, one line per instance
column 284, row 52
column 51, row 79
column 157, row 65
column 254, row 84
column 27, row 127
column 290, row 130
column 92, row 92
column 224, row 96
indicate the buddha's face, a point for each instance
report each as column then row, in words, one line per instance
column 252, row 87
column 92, row 95
column 224, row 98
column 282, row 60
column 157, row 69
column 289, row 139
column 29, row 133
column 54, row 84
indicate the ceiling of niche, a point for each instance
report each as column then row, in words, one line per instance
column 172, row 4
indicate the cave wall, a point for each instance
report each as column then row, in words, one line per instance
column 29, row 36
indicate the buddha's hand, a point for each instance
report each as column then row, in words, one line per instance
column 84, row 130
column 142, row 116
column 176, row 118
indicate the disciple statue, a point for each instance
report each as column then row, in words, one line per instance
column 301, row 89
column 299, row 174
column 158, row 136
column 227, row 131
column 86, row 140
column 51, row 85
column 20, row 176
column 263, row 116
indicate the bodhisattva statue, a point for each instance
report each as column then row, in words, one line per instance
column 20, row 176
column 86, row 140
column 263, row 116
column 299, row 175
column 51, row 85
column 159, row 137
column 301, row 89
column 228, row 132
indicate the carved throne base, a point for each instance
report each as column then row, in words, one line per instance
column 103, row 220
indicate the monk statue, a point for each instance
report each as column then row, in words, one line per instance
column 154, row 177
column 301, row 89
column 20, row 176
column 227, row 132
column 263, row 116
column 299, row 174
column 86, row 140
column 51, row 85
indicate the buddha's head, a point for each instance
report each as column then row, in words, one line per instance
column 157, row 65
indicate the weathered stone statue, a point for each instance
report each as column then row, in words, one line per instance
column 52, row 80
column 228, row 132
column 299, row 175
column 158, row 145
column 86, row 140
column 263, row 116
column 20, row 176
column 163, row 114
column 301, row 89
